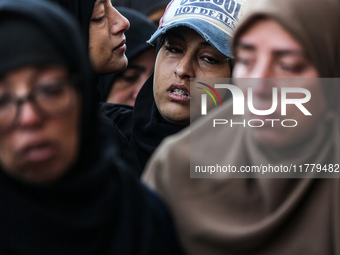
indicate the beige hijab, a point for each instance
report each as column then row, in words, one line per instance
column 259, row 216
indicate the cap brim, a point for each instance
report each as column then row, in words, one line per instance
column 214, row 36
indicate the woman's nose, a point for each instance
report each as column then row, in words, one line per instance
column 119, row 24
column 28, row 115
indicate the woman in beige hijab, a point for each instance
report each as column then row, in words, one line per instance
column 258, row 215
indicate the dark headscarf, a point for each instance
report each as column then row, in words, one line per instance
column 95, row 208
column 139, row 32
column 149, row 128
column 146, row 7
column 81, row 11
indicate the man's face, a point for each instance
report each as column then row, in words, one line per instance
column 106, row 38
column 184, row 55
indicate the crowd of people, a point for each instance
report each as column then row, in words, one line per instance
column 101, row 129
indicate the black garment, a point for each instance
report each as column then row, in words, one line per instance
column 82, row 10
column 120, row 115
column 147, row 127
column 139, row 32
column 146, row 6
column 96, row 207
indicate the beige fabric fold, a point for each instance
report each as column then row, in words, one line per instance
column 258, row 215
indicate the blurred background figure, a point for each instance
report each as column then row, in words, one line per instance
column 153, row 9
column 295, row 42
column 63, row 186
column 122, row 88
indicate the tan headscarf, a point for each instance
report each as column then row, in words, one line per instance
column 314, row 24
column 259, row 216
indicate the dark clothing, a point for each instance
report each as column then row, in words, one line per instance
column 148, row 128
column 146, row 6
column 120, row 115
column 81, row 10
column 96, row 207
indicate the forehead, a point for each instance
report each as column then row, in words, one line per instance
column 268, row 33
column 185, row 34
column 31, row 72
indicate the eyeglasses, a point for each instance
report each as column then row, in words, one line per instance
column 49, row 99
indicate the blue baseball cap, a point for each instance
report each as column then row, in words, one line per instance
column 214, row 20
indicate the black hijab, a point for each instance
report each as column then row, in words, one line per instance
column 149, row 128
column 146, row 6
column 95, row 208
column 81, row 11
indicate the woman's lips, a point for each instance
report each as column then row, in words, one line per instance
column 121, row 47
column 178, row 92
column 38, row 152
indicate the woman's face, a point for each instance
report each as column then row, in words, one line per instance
column 106, row 38
column 267, row 50
column 127, row 84
column 43, row 140
column 184, row 55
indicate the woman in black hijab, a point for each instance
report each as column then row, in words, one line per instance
column 103, row 28
column 129, row 81
column 188, row 46
column 122, row 88
column 81, row 203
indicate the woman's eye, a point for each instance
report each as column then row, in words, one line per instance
column 243, row 61
column 5, row 101
column 130, row 78
column 173, row 50
column 172, row 47
column 292, row 68
column 99, row 20
column 51, row 90
column 211, row 60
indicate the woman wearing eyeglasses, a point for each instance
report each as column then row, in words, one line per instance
column 63, row 187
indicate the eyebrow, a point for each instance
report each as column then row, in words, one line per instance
column 245, row 46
